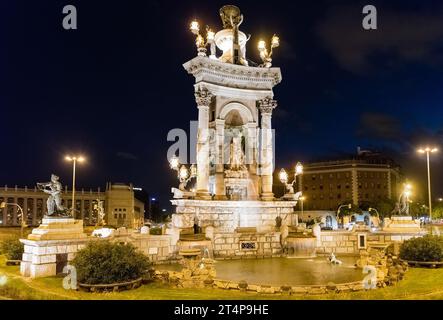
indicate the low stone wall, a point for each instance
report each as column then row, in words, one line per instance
column 47, row 258
column 246, row 245
column 286, row 289
column 43, row 258
column 346, row 242
column 174, row 278
column 157, row 247
column 338, row 242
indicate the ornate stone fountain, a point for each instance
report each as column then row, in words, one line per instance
column 234, row 148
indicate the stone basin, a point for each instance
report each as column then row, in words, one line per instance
column 283, row 271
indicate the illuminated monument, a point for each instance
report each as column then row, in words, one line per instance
column 232, row 201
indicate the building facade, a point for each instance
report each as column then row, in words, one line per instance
column 121, row 207
column 365, row 178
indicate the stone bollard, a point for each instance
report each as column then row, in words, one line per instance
column 243, row 285
column 285, row 289
column 331, row 286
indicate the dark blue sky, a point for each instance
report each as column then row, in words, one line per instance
column 114, row 88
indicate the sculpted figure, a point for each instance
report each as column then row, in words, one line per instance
column 54, row 189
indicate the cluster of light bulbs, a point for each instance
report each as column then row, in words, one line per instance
column 184, row 174
column 201, row 44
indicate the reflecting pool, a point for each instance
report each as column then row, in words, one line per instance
column 284, row 271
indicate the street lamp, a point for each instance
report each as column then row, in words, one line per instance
column 22, row 219
column 428, row 150
column 74, row 161
column 283, row 176
column 200, row 42
column 264, row 54
column 184, row 174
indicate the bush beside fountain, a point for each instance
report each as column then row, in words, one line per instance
column 427, row 250
column 109, row 265
column 13, row 250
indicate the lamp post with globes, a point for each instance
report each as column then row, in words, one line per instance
column 428, row 151
column 230, row 40
column 74, row 160
column 22, row 216
column 266, row 55
column 200, row 42
column 184, row 174
column 283, row 176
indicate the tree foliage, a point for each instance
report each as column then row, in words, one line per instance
column 384, row 206
column 437, row 211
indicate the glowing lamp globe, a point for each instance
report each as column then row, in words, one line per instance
column 283, row 175
column 194, row 27
column 261, row 45
column 183, row 172
column 193, row 170
column 299, row 168
column 210, row 36
column 174, row 163
column 275, row 42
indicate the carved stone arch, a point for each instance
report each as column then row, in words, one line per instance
column 243, row 111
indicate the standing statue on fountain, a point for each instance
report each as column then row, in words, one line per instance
column 54, row 202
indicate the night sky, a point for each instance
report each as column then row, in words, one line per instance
column 113, row 88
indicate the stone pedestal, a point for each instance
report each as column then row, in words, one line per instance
column 402, row 224
column 227, row 216
column 58, row 229
column 51, row 246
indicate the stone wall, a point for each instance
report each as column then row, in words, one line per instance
column 226, row 216
column 346, row 242
column 338, row 242
column 42, row 258
column 157, row 247
column 247, row 245
column 47, row 258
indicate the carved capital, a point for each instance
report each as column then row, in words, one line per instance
column 203, row 97
column 266, row 105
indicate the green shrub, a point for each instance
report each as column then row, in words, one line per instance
column 427, row 248
column 105, row 262
column 12, row 249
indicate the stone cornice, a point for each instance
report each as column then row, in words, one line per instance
column 231, row 75
column 234, row 204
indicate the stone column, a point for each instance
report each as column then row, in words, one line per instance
column 5, row 214
column 14, row 214
column 266, row 160
column 25, row 210
column 82, row 208
column 355, row 191
column 203, row 98
column 34, row 211
column 220, row 190
column 251, row 158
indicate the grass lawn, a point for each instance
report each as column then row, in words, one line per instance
column 418, row 284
